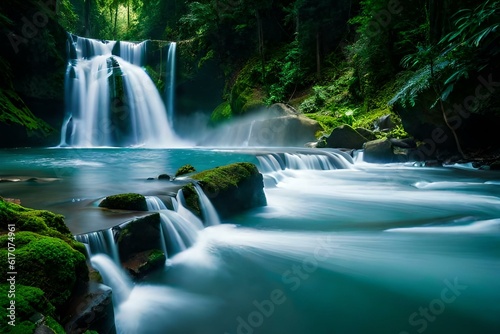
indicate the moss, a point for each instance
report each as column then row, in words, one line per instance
column 47, row 263
column 218, row 180
column 29, row 301
column 186, row 169
column 156, row 259
column 40, row 221
column 54, row 325
column 245, row 95
column 129, row 201
column 221, row 113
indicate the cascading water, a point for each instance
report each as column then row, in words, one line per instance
column 110, row 100
column 100, row 242
column 170, row 88
column 207, row 209
column 113, row 276
column 326, row 160
column 154, row 203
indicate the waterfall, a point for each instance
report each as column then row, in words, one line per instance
column 247, row 141
column 207, row 209
column 326, row 160
column 100, row 242
column 110, row 100
column 134, row 53
column 170, row 88
column 113, row 276
column 155, row 204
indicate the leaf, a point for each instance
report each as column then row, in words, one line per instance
column 447, row 92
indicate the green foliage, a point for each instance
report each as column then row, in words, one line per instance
column 128, row 201
column 186, row 169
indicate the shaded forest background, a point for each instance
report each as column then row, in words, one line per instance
column 430, row 64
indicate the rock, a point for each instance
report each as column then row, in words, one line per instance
column 138, row 235
column 128, row 201
column 403, row 143
column 495, row 165
column 141, row 264
column 186, row 169
column 384, row 123
column 281, row 109
column 47, row 263
column 345, row 136
column 366, row 133
column 92, row 309
column 291, row 130
column 378, row 151
column 164, row 177
column 231, row 189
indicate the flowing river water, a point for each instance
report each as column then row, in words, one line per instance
column 341, row 247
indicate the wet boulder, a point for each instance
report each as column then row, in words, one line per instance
column 345, row 136
column 129, row 201
column 231, row 189
column 379, row 151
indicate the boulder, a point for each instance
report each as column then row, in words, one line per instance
column 231, row 189
column 366, row 133
column 384, row 123
column 378, row 151
column 128, row 201
column 345, row 136
column 91, row 310
column 164, row 177
column 142, row 263
column 281, row 109
column 137, row 236
column 186, row 169
column 290, row 130
column 404, row 143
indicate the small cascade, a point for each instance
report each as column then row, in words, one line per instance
column 247, row 141
column 274, row 162
column 170, row 88
column 207, row 209
column 155, row 204
column 113, row 276
column 183, row 211
column 100, row 242
column 179, row 234
column 134, row 53
column 110, row 100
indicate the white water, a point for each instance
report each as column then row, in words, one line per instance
column 113, row 276
column 93, row 118
column 100, row 242
column 154, row 203
column 208, row 211
column 170, row 88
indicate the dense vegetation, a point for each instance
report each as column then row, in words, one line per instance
column 339, row 62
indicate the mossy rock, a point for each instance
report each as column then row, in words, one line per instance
column 186, row 169
column 46, row 263
column 231, row 189
column 346, row 137
column 129, row 201
column 138, row 235
column 40, row 221
column 221, row 114
column 30, row 303
column 145, row 262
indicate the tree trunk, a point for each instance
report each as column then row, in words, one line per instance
column 260, row 35
column 116, row 18
column 318, row 55
column 88, row 6
column 128, row 13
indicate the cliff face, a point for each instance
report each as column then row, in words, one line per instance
column 33, row 63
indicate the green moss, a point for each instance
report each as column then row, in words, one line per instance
column 186, row 169
column 29, row 301
column 219, row 179
column 47, row 263
column 155, row 259
column 245, row 95
column 129, row 201
column 221, row 113
column 40, row 221
column 54, row 325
